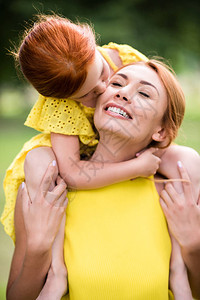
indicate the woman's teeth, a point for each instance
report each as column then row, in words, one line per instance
column 118, row 111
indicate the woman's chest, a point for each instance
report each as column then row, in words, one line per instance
column 117, row 245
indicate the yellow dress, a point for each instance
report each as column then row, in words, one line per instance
column 117, row 244
column 62, row 116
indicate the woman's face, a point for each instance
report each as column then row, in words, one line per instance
column 133, row 104
column 96, row 80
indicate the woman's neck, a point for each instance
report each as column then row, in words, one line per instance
column 117, row 151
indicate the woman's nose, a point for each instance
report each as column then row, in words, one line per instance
column 122, row 97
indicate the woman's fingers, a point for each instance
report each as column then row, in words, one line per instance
column 56, row 199
column 57, row 196
column 49, row 177
column 187, row 188
column 166, row 197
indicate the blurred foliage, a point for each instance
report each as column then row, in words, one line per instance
column 165, row 28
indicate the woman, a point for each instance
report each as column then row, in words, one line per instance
column 103, row 251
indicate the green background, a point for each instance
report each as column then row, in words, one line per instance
column 157, row 28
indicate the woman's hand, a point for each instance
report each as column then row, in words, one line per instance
column 182, row 212
column 42, row 216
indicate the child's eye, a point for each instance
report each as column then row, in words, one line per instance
column 116, row 83
column 144, row 94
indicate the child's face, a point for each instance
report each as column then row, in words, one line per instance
column 96, row 80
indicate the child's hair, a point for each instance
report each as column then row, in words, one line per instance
column 54, row 55
column 174, row 113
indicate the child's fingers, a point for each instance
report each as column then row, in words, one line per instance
column 151, row 150
column 48, row 177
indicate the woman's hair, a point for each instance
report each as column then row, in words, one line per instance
column 174, row 113
column 54, row 55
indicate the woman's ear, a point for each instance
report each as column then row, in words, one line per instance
column 160, row 135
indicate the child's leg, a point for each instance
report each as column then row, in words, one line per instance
column 56, row 283
column 36, row 163
column 178, row 278
column 190, row 159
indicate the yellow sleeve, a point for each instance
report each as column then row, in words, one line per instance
column 127, row 53
column 62, row 116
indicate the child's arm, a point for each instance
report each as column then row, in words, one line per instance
column 178, row 278
column 94, row 174
column 183, row 216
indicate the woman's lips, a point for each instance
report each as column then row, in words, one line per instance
column 117, row 111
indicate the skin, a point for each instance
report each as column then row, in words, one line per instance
column 95, row 83
column 150, row 128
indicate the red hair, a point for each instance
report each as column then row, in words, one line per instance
column 54, row 55
column 175, row 111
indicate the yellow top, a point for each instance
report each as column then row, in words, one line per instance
column 61, row 116
column 117, row 244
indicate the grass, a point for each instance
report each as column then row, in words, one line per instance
column 13, row 135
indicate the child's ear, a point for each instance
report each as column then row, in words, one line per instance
column 160, row 135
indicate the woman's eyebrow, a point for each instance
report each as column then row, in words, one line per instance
column 122, row 75
column 148, row 83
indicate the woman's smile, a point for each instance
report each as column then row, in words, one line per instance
column 117, row 111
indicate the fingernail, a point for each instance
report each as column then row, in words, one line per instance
column 179, row 163
column 53, row 163
column 23, row 185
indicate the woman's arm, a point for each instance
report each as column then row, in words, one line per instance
column 182, row 212
column 36, row 225
column 94, row 174
column 178, row 278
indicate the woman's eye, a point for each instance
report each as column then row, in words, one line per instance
column 116, row 83
column 144, row 94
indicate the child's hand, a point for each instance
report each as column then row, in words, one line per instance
column 182, row 212
column 42, row 216
column 148, row 162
